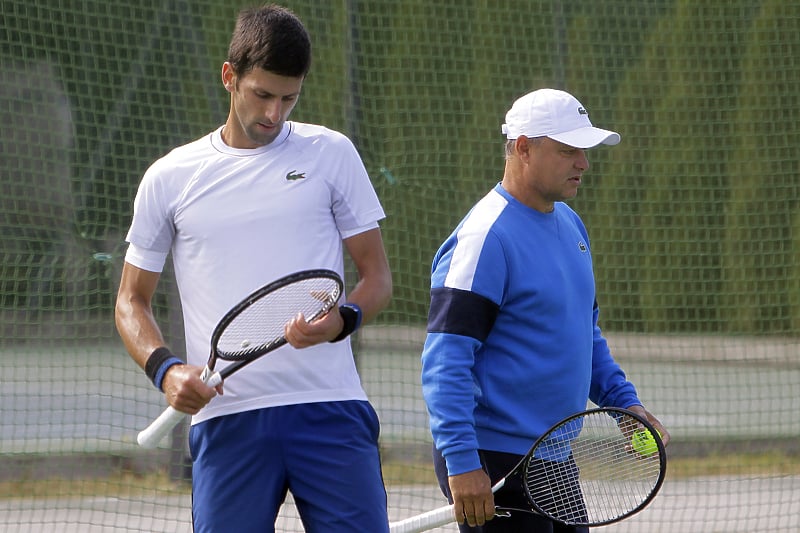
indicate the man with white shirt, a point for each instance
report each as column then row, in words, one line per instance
column 256, row 199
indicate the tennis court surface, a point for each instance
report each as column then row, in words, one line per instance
column 73, row 414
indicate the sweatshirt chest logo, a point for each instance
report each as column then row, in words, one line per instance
column 582, row 247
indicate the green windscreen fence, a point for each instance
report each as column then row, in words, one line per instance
column 694, row 222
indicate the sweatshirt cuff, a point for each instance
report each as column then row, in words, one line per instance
column 462, row 462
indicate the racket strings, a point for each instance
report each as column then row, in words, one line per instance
column 261, row 324
column 553, row 486
column 587, row 473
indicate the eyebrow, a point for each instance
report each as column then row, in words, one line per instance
column 263, row 93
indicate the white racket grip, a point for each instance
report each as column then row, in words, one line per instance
column 425, row 521
column 150, row 436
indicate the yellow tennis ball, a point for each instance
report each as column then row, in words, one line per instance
column 643, row 442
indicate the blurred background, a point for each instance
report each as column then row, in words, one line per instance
column 694, row 223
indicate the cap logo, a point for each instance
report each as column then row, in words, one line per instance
column 582, row 111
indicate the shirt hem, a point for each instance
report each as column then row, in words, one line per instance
column 269, row 401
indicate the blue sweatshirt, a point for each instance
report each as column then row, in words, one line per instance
column 513, row 344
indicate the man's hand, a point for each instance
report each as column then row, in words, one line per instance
column 473, row 500
column 647, row 415
column 302, row 334
column 184, row 389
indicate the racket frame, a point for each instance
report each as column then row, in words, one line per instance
column 637, row 423
column 257, row 352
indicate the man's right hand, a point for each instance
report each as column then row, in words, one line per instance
column 184, row 389
column 473, row 500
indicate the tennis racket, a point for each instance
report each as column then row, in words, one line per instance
column 584, row 471
column 253, row 328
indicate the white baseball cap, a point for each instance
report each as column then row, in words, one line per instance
column 555, row 114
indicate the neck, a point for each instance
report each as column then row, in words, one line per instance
column 514, row 183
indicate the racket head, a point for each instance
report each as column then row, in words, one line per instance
column 256, row 324
column 585, row 472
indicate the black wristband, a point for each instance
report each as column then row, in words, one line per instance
column 351, row 314
column 158, row 363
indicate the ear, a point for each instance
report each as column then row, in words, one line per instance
column 228, row 77
column 522, row 146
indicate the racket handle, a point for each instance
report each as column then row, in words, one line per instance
column 150, row 436
column 425, row 521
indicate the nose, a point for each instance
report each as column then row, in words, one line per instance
column 582, row 161
column 273, row 110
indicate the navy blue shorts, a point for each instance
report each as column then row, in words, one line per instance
column 325, row 453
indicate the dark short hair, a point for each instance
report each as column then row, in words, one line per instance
column 272, row 38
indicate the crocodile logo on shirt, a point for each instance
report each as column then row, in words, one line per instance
column 294, row 175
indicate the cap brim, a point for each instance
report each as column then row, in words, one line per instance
column 587, row 137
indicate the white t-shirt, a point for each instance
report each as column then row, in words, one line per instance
column 237, row 219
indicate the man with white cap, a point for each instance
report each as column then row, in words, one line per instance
column 513, row 343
